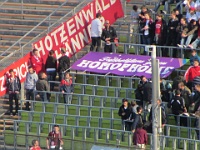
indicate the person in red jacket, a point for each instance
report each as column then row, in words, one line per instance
column 140, row 137
column 35, row 145
column 191, row 73
column 37, row 61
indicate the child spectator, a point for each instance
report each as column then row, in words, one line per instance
column 35, row 145
column 140, row 137
column 37, row 61
column 13, row 85
column 51, row 68
column 66, row 88
column 30, row 85
column 194, row 56
column 54, row 140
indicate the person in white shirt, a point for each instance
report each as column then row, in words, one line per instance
column 191, row 15
column 134, row 24
column 197, row 7
column 96, row 31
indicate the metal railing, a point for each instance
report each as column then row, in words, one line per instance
column 22, row 50
column 95, row 135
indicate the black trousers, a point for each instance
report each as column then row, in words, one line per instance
column 13, row 96
column 108, row 48
column 29, row 96
column 96, row 41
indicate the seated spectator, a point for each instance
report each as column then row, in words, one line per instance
column 137, row 119
column 64, row 64
column 36, row 61
column 148, row 29
column 30, row 85
column 191, row 15
column 140, row 137
column 177, row 105
column 54, row 140
column 51, row 68
column 35, row 145
column 134, row 22
column 42, row 87
column 194, row 56
column 108, row 35
column 125, row 112
column 66, row 88
column 186, row 94
column 191, row 73
column 192, row 28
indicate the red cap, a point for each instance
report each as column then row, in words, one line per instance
column 192, row 9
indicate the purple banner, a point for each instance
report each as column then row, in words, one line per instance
column 125, row 64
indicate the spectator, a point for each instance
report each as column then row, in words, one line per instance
column 197, row 41
column 188, row 5
column 192, row 28
column 30, row 85
column 96, row 31
column 134, row 23
column 51, row 68
column 194, row 56
column 177, row 80
column 137, row 119
column 13, row 85
column 191, row 73
column 166, row 90
column 148, row 29
column 35, row 145
column 54, row 140
column 64, row 64
column 178, row 14
column 191, row 15
column 147, row 89
column 140, row 137
column 42, row 87
column 37, row 61
column 197, row 8
column 160, row 32
column 108, row 35
column 125, row 112
column 177, row 104
column 66, row 88
column 186, row 94
column 196, row 97
column 134, row 108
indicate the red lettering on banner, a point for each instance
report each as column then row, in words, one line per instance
column 74, row 34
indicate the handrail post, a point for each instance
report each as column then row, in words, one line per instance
column 22, row 7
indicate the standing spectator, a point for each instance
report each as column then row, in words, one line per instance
column 177, row 80
column 191, row 73
column 140, row 137
column 147, row 89
column 194, row 56
column 35, row 145
column 37, row 61
column 177, row 104
column 186, row 94
column 160, row 32
column 134, row 108
column 64, row 64
column 137, row 119
column 66, row 88
column 51, row 68
column 125, row 112
column 13, row 85
column 178, row 14
column 42, row 87
column 108, row 35
column 54, row 140
column 96, row 31
column 148, row 29
column 30, row 85
column 134, row 23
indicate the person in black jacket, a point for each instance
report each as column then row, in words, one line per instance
column 13, row 85
column 147, row 89
column 64, row 64
column 125, row 111
column 51, row 68
column 137, row 119
column 108, row 35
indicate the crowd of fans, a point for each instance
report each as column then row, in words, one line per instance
column 180, row 30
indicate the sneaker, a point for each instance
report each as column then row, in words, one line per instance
column 181, row 46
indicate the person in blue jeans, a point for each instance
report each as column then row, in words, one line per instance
column 51, row 68
column 197, row 41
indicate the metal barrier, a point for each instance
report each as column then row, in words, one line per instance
column 95, row 135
